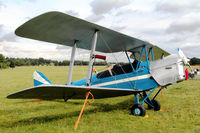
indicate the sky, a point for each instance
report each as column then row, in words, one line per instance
column 169, row 24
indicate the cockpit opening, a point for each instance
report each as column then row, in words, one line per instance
column 118, row 69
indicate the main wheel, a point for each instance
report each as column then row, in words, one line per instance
column 156, row 105
column 138, row 110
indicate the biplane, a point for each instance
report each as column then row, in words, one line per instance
column 138, row 78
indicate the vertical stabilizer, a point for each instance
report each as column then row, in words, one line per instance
column 40, row 79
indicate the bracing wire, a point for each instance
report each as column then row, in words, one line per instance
column 130, row 83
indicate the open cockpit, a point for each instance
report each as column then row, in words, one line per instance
column 118, row 69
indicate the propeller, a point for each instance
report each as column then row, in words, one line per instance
column 184, row 59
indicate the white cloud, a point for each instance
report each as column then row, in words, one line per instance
column 191, row 49
column 1, row 28
column 168, row 24
column 10, row 37
column 178, row 38
column 188, row 23
column 104, row 6
column 72, row 13
column 178, row 6
column 125, row 12
column 31, row 50
column 2, row 5
column 118, row 28
column 31, row 0
column 190, row 46
column 94, row 18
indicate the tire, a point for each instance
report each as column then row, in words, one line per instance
column 156, row 105
column 138, row 110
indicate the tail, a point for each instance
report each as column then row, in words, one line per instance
column 40, row 79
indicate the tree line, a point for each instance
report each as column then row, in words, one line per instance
column 194, row 61
column 12, row 62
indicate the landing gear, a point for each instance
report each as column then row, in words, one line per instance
column 138, row 110
column 156, row 105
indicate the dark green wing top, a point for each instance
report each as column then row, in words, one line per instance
column 60, row 28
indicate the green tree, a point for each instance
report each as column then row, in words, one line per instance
column 28, row 63
column 194, row 61
column 19, row 62
column 2, row 59
column 55, row 63
column 3, row 62
column 41, row 61
column 34, row 62
column 12, row 64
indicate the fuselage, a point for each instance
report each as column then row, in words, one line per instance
column 147, row 75
column 139, row 80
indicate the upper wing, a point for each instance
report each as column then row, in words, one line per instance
column 69, row 92
column 60, row 28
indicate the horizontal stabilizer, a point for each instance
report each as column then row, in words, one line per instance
column 40, row 79
column 68, row 92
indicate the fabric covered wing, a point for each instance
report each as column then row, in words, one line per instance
column 69, row 92
column 60, row 28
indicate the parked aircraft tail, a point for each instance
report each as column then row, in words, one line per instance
column 40, row 79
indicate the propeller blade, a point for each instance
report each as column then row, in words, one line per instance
column 183, row 57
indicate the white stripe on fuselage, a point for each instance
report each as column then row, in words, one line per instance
column 123, row 80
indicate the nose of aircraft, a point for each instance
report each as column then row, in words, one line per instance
column 185, row 61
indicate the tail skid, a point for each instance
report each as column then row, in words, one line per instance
column 40, row 79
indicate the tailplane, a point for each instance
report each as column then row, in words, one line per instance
column 40, row 79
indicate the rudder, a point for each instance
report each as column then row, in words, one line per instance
column 40, row 79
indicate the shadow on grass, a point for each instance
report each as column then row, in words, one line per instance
column 99, row 107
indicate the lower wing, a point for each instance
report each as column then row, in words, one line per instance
column 68, row 92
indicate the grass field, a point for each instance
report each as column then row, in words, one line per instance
column 180, row 105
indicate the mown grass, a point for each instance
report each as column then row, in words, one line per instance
column 180, row 105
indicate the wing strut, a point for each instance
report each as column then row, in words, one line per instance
column 71, row 63
column 91, row 61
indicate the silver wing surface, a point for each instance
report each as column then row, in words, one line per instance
column 68, row 92
column 60, row 28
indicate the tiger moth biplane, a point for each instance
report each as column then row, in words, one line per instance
column 138, row 78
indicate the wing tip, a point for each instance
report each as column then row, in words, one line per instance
column 19, row 31
column 10, row 96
